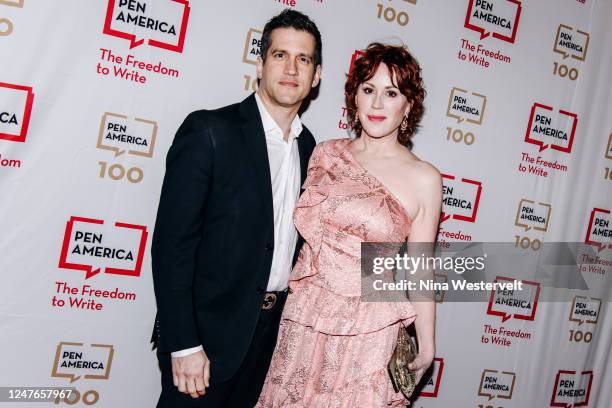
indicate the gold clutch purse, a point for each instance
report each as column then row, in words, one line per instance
column 405, row 352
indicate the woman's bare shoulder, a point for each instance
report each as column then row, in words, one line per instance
column 422, row 172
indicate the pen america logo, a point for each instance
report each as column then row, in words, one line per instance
column 585, row 310
column 252, row 50
column 572, row 389
column 161, row 23
column 252, row 46
column 460, row 198
column 92, row 246
column 599, row 229
column 75, row 361
column 506, row 303
column 496, row 18
column 119, row 134
column 532, row 215
column 514, row 303
column 15, row 110
column 496, row 384
column 432, row 385
column 550, row 128
column 571, row 43
column 466, row 106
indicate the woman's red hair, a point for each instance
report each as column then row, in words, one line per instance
column 406, row 76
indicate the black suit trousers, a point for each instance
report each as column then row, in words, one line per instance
column 243, row 389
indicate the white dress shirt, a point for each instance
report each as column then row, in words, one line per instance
column 284, row 161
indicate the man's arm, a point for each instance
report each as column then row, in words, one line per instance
column 178, row 232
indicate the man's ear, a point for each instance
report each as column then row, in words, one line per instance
column 317, row 76
column 260, row 64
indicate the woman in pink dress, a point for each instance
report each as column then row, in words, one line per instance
column 333, row 347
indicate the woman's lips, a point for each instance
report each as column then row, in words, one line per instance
column 376, row 118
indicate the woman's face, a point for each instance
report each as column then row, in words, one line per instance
column 380, row 105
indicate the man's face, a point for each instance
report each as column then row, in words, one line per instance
column 289, row 72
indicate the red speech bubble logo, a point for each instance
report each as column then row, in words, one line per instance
column 450, row 201
column 432, row 387
column 15, row 117
column 89, row 268
column 117, row 24
column 498, row 18
column 599, row 225
column 540, row 120
column 356, row 54
column 502, row 310
column 565, row 390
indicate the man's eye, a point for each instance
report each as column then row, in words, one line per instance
column 279, row 55
column 305, row 60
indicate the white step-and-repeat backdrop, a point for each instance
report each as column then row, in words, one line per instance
column 518, row 119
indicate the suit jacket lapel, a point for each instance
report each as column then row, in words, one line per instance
column 303, row 149
column 255, row 140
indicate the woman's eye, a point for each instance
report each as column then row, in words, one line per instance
column 367, row 90
column 392, row 94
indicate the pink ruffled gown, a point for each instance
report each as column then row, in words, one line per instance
column 332, row 348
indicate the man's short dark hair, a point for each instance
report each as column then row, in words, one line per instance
column 289, row 18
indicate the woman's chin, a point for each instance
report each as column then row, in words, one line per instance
column 380, row 134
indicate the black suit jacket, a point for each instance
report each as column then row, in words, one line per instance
column 214, row 234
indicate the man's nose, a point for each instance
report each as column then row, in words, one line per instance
column 290, row 66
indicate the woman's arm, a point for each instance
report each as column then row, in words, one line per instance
column 422, row 241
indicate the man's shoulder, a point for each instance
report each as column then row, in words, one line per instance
column 227, row 113
column 308, row 135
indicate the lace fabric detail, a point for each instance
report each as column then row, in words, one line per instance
column 333, row 348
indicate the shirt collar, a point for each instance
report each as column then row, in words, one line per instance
column 270, row 125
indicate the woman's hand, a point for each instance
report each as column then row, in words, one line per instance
column 420, row 364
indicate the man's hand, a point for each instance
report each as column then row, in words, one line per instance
column 191, row 374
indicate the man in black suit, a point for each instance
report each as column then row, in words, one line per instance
column 224, row 240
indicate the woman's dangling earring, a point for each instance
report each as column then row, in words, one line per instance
column 404, row 124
